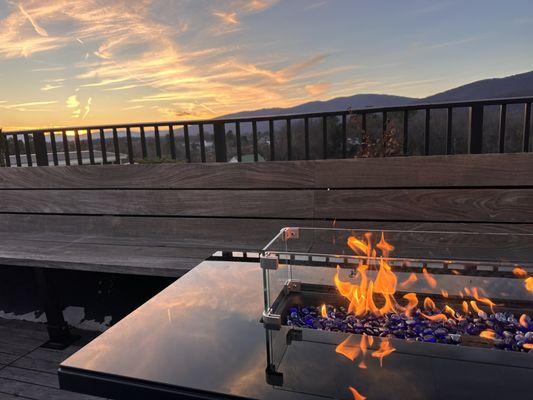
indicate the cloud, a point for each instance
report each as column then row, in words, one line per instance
column 87, row 107
column 30, row 104
column 48, row 86
column 136, row 49
column 36, row 26
column 228, row 18
column 317, row 89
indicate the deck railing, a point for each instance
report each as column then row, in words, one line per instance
column 481, row 126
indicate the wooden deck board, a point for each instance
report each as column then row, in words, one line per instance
column 28, row 371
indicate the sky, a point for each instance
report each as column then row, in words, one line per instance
column 86, row 62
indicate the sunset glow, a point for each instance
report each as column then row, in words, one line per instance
column 82, row 62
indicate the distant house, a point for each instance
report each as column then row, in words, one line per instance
column 247, row 158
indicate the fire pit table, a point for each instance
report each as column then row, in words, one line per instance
column 330, row 313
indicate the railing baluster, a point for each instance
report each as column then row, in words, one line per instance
column 143, row 143
column 449, row 126
column 271, row 135
column 130, row 145
column 219, row 138
column 427, row 132
column 187, row 142
column 344, row 135
column 28, row 149
column 476, row 129
column 157, row 141
column 254, row 140
column 116, row 146
column 103, row 146
column 238, row 139
column 66, row 149
column 405, row 132
column 6, row 150
column 17, row 150
column 384, row 127
column 289, row 140
column 503, row 117
column 54, row 147
column 306, row 138
column 78, row 146
column 202, row 142
column 527, row 127
column 90, row 146
column 171, row 142
column 324, row 138
column 39, row 147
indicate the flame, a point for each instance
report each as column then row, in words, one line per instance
column 413, row 302
column 528, row 346
column 409, row 281
column 384, row 350
column 529, row 284
column 361, row 295
column 474, row 306
column 520, row 272
column 429, row 304
column 359, row 246
column 444, row 293
column 356, row 394
column 449, row 310
column 523, row 321
column 323, row 311
column 465, row 307
column 436, row 317
column 432, row 282
column 488, row 334
column 484, row 300
column 363, row 347
column 348, row 349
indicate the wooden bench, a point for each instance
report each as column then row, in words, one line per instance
column 163, row 219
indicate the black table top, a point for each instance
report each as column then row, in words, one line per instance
column 202, row 338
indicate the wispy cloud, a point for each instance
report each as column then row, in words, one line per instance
column 30, row 104
column 41, row 31
column 227, row 17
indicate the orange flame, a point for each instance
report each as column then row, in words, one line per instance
column 474, row 306
column 528, row 346
column 523, row 321
column 429, row 304
column 356, row 394
column 436, row 317
column 384, row 350
column 529, row 284
column 484, row 300
column 488, row 334
column 348, row 349
column 520, row 272
column 323, row 311
column 432, row 282
column 444, row 293
column 361, row 295
column 409, row 281
column 465, row 307
column 413, row 302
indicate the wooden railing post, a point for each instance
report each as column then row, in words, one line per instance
column 476, row 129
column 220, row 142
column 41, row 154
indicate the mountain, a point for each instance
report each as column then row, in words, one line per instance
column 519, row 85
column 336, row 104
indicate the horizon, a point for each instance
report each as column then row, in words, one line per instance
column 94, row 62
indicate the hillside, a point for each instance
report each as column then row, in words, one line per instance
column 512, row 86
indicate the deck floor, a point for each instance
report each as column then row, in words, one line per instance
column 28, row 371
